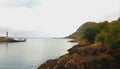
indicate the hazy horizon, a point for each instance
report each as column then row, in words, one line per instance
column 53, row 18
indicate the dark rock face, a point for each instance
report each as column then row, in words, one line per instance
column 48, row 65
column 85, row 57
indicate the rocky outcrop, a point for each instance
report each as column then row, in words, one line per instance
column 100, row 52
column 94, row 56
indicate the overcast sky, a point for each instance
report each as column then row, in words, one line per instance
column 54, row 17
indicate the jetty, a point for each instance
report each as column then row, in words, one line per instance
column 11, row 39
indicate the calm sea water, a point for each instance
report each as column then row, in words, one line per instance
column 30, row 54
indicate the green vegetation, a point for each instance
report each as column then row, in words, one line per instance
column 80, row 32
column 90, row 34
column 98, row 48
column 106, row 32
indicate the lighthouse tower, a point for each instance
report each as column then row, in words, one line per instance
column 6, row 34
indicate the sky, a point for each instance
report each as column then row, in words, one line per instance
column 53, row 18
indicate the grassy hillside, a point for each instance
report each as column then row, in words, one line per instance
column 79, row 31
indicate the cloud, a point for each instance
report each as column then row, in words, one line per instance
column 19, row 3
column 56, row 17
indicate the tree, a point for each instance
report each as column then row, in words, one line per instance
column 101, row 37
column 90, row 33
column 113, row 38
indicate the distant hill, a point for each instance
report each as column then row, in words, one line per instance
column 80, row 30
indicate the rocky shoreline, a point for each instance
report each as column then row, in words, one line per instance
column 98, row 48
column 93, row 56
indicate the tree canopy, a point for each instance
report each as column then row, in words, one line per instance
column 106, row 32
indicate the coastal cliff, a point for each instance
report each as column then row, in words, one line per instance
column 98, row 48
